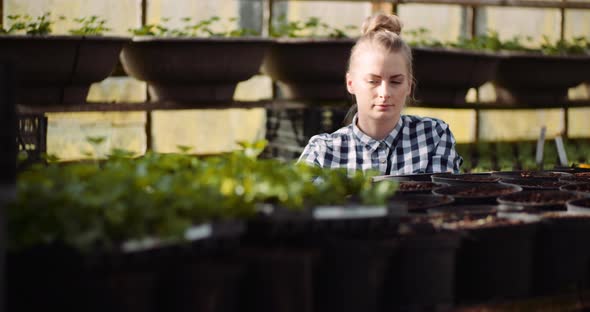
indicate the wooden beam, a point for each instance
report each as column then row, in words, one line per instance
column 579, row 4
column 276, row 103
column 143, row 12
column 267, row 12
column 511, row 3
column 381, row 6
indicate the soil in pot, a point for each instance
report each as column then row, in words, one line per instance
column 464, row 179
column 477, row 194
column 578, row 177
column 562, row 255
column 410, row 187
column 534, row 183
column 537, row 200
column 401, row 204
column 526, row 174
column 463, row 210
column 494, row 260
column 582, row 189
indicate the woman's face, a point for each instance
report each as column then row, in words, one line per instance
column 380, row 82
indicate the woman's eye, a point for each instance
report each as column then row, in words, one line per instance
column 373, row 81
column 396, row 82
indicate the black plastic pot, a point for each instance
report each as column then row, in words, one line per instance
column 419, row 177
column 464, row 179
column 582, row 177
column 204, row 274
column 202, row 284
column 535, row 201
column 582, row 189
column 422, row 273
column 477, row 194
column 534, row 183
column 282, row 226
column 58, row 278
column 351, row 274
column 138, row 276
column 278, row 279
column 495, row 262
column 581, row 205
column 562, row 254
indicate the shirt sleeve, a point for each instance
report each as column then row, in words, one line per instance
column 314, row 151
column 445, row 156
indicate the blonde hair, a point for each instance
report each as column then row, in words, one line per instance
column 383, row 31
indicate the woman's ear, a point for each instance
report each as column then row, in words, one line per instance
column 349, row 83
column 410, row 86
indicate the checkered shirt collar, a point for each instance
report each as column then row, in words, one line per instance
column 371, row 144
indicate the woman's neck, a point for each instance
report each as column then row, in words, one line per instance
column 377, row 130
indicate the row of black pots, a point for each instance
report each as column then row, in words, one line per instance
column 428, row 268
column 138, row 276
column 208, row 69
column 546, row 256
column 532, row 190
column 352, row 262
column 495, row 262
column 415, row 264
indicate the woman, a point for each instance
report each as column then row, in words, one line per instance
column 379, row 137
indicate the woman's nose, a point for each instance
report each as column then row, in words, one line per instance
column 384, row 91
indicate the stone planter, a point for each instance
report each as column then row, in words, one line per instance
column 58, row 70
column 193, row 69
column 310, row 69
column 534, row 79
column 443, row 76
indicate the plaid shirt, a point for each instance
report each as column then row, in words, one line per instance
column 416, row 145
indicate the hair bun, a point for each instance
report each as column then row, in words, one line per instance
column 381, row 22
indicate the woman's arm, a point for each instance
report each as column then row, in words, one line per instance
column 445, row 156
column 313, row 152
